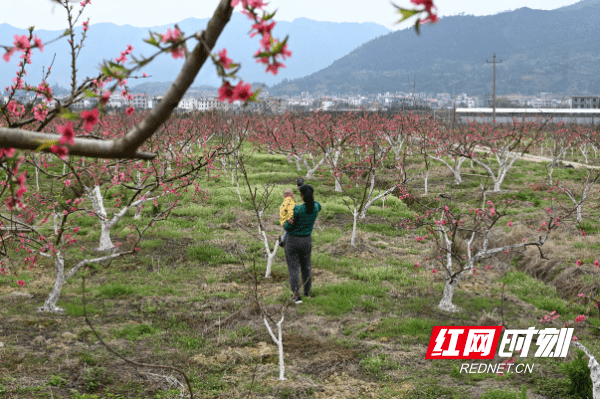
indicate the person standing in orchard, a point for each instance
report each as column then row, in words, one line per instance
column 299, row 242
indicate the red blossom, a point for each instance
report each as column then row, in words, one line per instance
column 130, row 111
column 242, row 91
column 68, row 134
column 224, row 60
column 60, row 151
column 90, row 118
column 226, row 92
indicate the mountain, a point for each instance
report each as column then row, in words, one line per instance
column 555, row 51
column 314, row 45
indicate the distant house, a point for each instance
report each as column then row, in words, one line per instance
column 585, row 102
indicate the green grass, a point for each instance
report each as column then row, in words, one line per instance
column 211, row 254
column 135, row 332
column 339, row 299
column 394, row 327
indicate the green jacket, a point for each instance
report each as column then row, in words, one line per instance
column 303, row 222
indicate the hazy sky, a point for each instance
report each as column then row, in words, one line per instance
column 145, row 13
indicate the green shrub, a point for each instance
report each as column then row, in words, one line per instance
column 579, row 376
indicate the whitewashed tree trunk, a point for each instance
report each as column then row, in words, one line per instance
column 455, row 168
column 354, row 219
column 298, row 166
column 338, row 186
column 310, row 170
column 37, row 174
column 584, row 150
column 270, row 254
column 426, row 179
column 107, row 224
column 446, row 304
column 279, row 343
column 594, row 369
column 370, row 201
column 61, row 278
column 50, row 303
column 505, row 162
column 579, row 204
column 105, row 241
column 238, row 192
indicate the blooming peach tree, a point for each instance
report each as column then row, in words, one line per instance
column 463, row 239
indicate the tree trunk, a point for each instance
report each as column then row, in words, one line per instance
column 354, row 219
column 338, row 186
column 50, row 303
column 446, row 303
column 270, row 257
column 279, row 343
column 105, row 241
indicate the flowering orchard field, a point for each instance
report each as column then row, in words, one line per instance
column 423, row 224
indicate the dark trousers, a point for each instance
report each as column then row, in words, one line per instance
column 297, row 256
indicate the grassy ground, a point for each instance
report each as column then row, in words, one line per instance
column 186, row 301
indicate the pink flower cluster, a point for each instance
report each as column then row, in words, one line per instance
column 548, row 318
column 271, row 50
column 23, row 44
column 242, row 91
column 67, row 137
column 174, row 37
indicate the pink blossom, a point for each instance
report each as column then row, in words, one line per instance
column 226, row 92
column 177, row 53
column 68, row 134
column 60, row 151
column 224, row 60
column 105, row 97
column 242, row 91
column 417, row 264
column 263, row 27
column 7, row 152
column 596, row 263
column 578, row 262
column 90, row 118
column 574, row 338
column 580, row 318
column 39, row 112
column 9, row 52
column 509, row 224
column 37, row 42
column 434, row 270
column 129, row 110
column 22, row 42
column 21, row 283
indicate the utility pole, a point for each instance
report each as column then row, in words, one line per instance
column 494, row 95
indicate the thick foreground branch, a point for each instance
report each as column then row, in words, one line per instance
column 127, row 146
